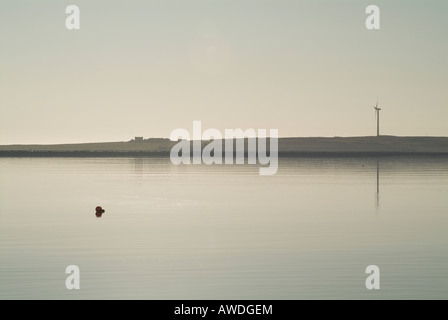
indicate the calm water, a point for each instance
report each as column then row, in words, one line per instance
column 223, row 232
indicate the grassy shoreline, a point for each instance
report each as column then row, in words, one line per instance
column 287, row 147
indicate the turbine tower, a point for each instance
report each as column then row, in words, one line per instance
column 377, row 115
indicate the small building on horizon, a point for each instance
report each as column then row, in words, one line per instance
column 138, row 139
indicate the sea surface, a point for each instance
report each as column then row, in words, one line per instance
column 224, row 231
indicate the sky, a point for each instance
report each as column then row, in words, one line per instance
column 146, row 68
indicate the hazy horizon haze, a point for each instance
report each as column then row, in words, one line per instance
column 145, row 68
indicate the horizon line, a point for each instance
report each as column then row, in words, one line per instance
column 164, row 138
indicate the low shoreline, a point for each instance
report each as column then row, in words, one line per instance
column 287, row 147
column 143, row 154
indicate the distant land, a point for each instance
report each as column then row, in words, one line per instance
column 347, row 146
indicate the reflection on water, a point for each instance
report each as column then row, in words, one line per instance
column 223, row 232
column 377, row 183
column 138, row 165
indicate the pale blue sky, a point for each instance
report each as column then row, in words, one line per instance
column 307, row 68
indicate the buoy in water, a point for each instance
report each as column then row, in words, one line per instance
column 99, row 209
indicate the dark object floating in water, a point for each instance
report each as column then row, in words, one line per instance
column 99, row 211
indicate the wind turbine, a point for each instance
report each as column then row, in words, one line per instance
column 377, row 115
